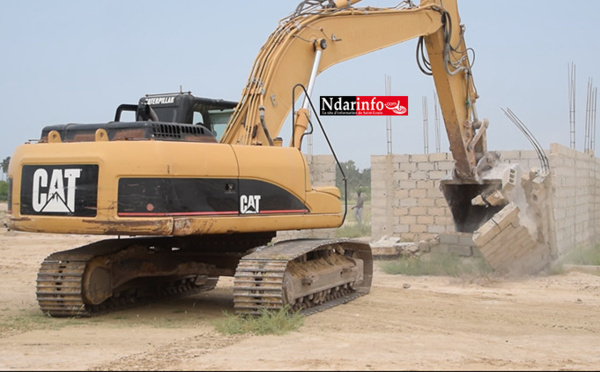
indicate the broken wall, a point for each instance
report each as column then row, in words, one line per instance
column 406, row 199
column 576, row 198
column 407, row 202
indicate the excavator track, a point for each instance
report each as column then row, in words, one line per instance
column 59, row 287
column 79, row 282
column 308, row 276
column 60, row 293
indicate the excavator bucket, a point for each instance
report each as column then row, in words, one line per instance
column 468, row 216
column 507, row 213
column 474, row 202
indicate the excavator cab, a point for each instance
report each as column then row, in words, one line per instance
column 171, row 117
column 182, row 108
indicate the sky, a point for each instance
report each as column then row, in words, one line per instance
column 73, row 61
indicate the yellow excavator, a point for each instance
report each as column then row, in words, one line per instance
column 195, row 188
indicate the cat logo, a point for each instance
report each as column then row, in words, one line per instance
column 249, row 204
column 53, row 196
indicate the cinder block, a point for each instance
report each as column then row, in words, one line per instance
column 436, row 229
column 401, row 228
column 448, row 239
column 406, row 166
column 407, row 220
column 425, row 166
column 401, row 158
column 438, row 157
column 410, row 184
column 401, row 176
column 438, row 174
column 507, row 215
column 426, row 202
column 465, row 239
column 426, row 184
column 419, row 175
column 426, row 220
column 401, row 193
column 447, row 166
column 511, row 155
column 441, row 202
column 417, row 193
column 496, row 198
column 444, row 221
column 417, row 211
column 418, row 229
column 419, row 158
column 485, row 233
column 408, row 202
column 401, row 211
column 436, row 193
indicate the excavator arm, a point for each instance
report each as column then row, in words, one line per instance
column 312, row 40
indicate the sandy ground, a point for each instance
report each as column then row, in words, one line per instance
column 416, row 323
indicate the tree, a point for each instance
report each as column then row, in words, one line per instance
column 356, row 179
column 3, row 191
column 5, row 164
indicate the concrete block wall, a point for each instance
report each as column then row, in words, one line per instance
column 524, row 255
column 527, row 159
column 575, row 198
column 406, row 200
column 322, row 169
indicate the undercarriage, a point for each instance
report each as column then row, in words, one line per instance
column 113, row 274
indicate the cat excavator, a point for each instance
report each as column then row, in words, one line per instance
column 195, row 188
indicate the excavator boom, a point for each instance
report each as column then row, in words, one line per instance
column 308, row 42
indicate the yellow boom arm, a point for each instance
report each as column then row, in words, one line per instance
column 308, row 42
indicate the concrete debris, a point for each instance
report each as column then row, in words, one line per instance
column 507, row 245
column 508, row 175
column 393, row 247
column 460, row 244
column 494, row 199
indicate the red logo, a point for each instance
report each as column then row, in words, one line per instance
column 382, row 105
column 364, row 105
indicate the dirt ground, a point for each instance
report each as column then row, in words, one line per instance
column 405, row 323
